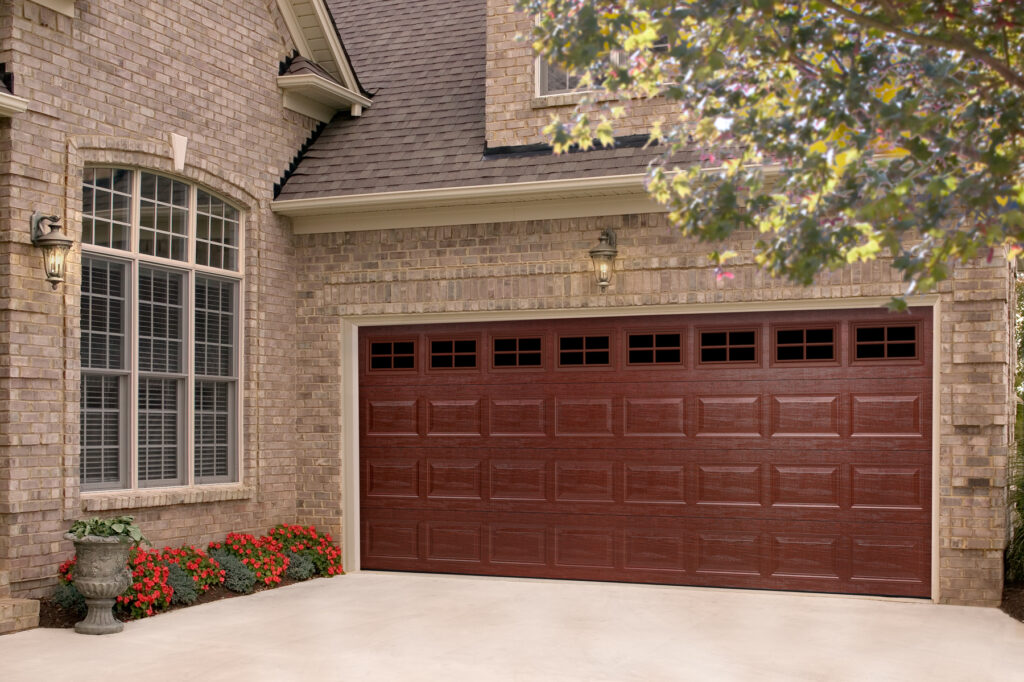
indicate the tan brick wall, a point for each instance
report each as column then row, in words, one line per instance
column 109, row 86
column 543, row 265
column 515, row 114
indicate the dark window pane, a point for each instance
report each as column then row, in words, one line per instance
column 667, row 340
column 819, row 336
column 641, row 340
column 741, row 354
column 712, row 339
column 441, row 361
column 790, row 336
column 670, row 355
column 784, row 353
column 571, row 343
column 639, row 357
column 597, row 357
column 819, row 352
column 741, row 338
column 404, row 362
column 597, row 342
column 870, row 350
column 902, row 350
column 529, row 360
column 504, row 345
column 901, row 333
column 505, row 360
column 572, row 358
column 380, row 348
column 529, row 344
column 441, row 347
column 404, row 347
column 712, row 355
column 870, row 334
column 465, row 346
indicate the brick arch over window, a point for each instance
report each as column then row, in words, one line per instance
column 155, row 155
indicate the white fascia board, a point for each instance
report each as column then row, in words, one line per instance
column 325, row 28
column 451, row 196
column 542, row 200
column 321, row 90
column 11, row 105
column 65, row 7
column 348, row 76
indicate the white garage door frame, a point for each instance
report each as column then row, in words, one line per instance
column 351, row 326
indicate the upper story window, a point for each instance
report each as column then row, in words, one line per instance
column 161, row 332
column 553, row 80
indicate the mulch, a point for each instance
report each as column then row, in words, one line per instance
column 1013, row 600
column 53, row 616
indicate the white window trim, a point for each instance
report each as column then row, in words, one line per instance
column 132, row 260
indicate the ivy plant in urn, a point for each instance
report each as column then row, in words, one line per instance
column 101, row 572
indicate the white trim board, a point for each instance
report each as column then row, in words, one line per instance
column 541, row 200
column 65, row 7
column 350, row 327
column 312, row 29
column 11, row 105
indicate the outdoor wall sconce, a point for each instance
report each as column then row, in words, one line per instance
column 604, row 257
column 55, row 245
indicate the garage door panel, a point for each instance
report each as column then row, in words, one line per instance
column 638, row 450
column 783, row 484
column 835, row 556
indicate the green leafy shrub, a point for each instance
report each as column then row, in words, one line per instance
column 1015, row 549
column 305, row 541
column 237, row 576
column 299, row 567
column 119, row 526
column 69, row 598
column 184, row 587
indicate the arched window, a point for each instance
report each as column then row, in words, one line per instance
column 161, row 333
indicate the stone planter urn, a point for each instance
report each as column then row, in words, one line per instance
column 101, row 574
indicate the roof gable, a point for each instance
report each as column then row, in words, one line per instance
column 312, row 30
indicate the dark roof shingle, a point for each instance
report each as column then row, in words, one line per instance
column 424, row 61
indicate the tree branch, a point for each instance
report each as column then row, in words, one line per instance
column 970, row 49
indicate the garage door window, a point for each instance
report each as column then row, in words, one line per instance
column 728, row 346
column 517, row 352
column 392, row 355
column 655, row 349
column 587, row 351
column 453, row 354
column 886, row 342
column 794, row 345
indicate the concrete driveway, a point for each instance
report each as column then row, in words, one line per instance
column 404, row 627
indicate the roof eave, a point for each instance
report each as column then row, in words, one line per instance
column 318, row 97
column 541, row 200
column 11, row 105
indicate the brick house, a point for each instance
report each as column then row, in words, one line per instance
column 326, row 272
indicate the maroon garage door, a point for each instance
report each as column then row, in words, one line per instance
column 781, row 450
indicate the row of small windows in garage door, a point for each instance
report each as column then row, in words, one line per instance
column 733, row 346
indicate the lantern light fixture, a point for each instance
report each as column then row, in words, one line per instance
column 603, row 256
column 54, row 243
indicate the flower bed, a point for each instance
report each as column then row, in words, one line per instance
column 238, row 565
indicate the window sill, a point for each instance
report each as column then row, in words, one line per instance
column 164, row 497
column 565, row 99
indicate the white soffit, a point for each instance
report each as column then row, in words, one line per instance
column 65, row 7
column 312, row 30
column 318, row 97
column 543, row 200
